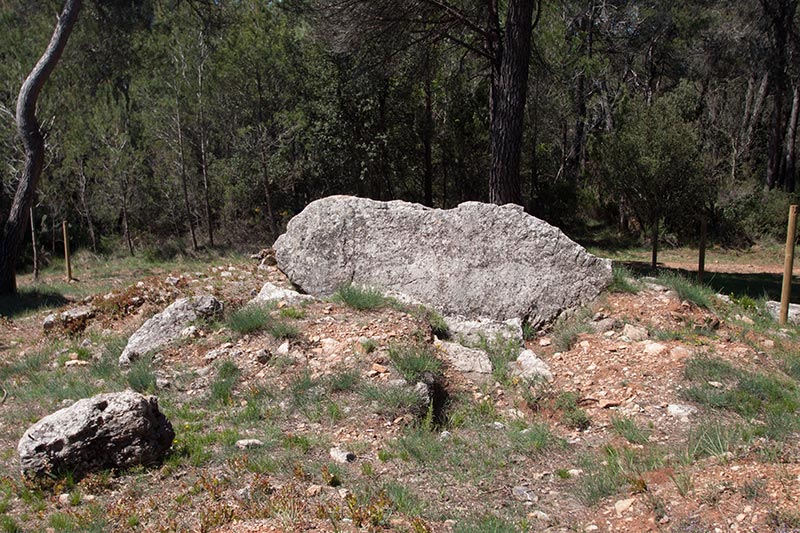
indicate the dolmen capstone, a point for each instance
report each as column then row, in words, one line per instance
column 108, row 431
column 475, row 261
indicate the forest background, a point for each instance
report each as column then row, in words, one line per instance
column 174, row 125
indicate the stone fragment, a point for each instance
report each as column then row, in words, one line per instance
column 528, row 366
column 602, row 326
column 272, row 293
column 654, row 348
column 465, row 359
column 167, row 325
column 682, row 412
column 634, row 333
column 476, row 260
column 623, row 505
column 263, row 356
column 523, row 494
column 342, row 456
column 246, row 444
column 774, row 309
column 49, row 322
column 283, row 349
column 475, row 331
column 108, row 431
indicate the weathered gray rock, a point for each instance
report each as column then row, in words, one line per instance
column 465, row 359
column 49, row 322
column 528, row 366
column 473, row 332
column 774, row 309
column 83, row 312
column 634, row 333
column 272, row 293
column 603, row 325
column 167, row 325
column 340, row 455
column 477, row 260
column 118, row 430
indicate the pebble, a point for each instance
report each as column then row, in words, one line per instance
column 342, row 456
column 540, row 515
column 246, row 444
column 523, row 494
column 622, row 506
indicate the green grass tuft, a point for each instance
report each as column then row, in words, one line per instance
column 700, row 295
column 222, row 387
column 413, row 361
column 361, row 298
column 249, row 319
column 141, row 376
column 628, row 429
column 622, row 281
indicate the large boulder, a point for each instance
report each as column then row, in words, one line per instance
column 108, row 431
column 476, row 260
column 167, row 325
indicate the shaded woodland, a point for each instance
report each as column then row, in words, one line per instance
column 172, row 125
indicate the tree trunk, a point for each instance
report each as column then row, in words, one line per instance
column 789, row 158
column 182, row 162
column 33, row 143
column 427, row 135
column 654, row 237
column 35, row 250
column 510, row 52
column 87, row 213
column 204, row 141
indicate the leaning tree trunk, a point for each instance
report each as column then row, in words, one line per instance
column 33, row 143
column 510, row 51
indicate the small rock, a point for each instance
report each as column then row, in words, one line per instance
column 188, row 333
column 86, row 343
column 575, row 472
column 497, row 426
column 545, row 342
column 263, row 356
column 75, row 362
column 528, row 366
column 540, row 515
column 523, row 494
column 634, row 333
column 654, row 348
column 283, row 349
column 623, row 505
column 715, row 384
column 246, row 444
column 342, row 456
column 444, row 435
column 63, row 499
column 380, row 369
column 172, row 280
column 313, row 490
column 680, row 353
column 463, row 359
column 591, row 527
column 76, row 314
column 49, row 322
column 681, row 411
column 163, row 383
column 768, row 343
column 603, row 326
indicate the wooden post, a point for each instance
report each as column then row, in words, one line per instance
column 701, row 262
column 35, row 251
column 66, row 250
column 788, row 265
